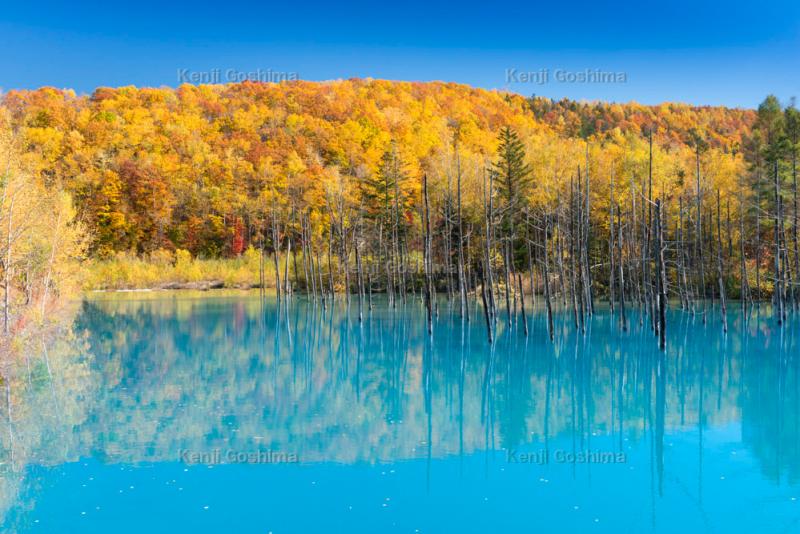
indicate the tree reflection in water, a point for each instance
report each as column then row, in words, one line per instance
column 139, row 379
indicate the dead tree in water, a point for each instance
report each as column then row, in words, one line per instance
column 261, row 271
column 553, row 233
column 462, row 290
column 719, row 271
column 744, row 290
column 573, row 254
column 623, row 320
column 486, row 313
column 522, row 304
column 429, row 290
column 547, row 278
column 699, row 229
column 488, row 208
column 778, row 284
column 662, row 278
column 611, row 272
column 682, row 280
column 587, row 276
column 531, row 268
column 276, row 251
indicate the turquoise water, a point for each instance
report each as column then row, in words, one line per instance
column 221, row 414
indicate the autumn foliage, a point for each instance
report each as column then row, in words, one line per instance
column 198, row 167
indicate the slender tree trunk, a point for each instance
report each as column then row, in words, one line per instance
column 530, row 257
column 276, row 253
column 777, row 291
column 427, row 257
column 720, row 279
column 287, row 285
column 611, row 272
column 7, row 267
column 51, row 261
column 486, row 310
column 758, row 257
column 662, row 278
column 587, row 277
column 796, row 278
column 622, row 318
column 359, row 277
column 522, row 304
column 547, row 279
column 489, row 244
column 462, row 290
column 744, row 286
column 331, row 288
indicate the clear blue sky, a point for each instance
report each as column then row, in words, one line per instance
column 731, row 53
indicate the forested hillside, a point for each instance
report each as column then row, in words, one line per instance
column 374, row 185
column 198, row 167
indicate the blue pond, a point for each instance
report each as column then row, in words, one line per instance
column 179, row 412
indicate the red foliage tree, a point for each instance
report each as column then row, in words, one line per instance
column 237, row 245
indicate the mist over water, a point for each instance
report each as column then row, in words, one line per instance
column 179, row 412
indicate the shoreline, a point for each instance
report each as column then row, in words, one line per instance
column 201, row 285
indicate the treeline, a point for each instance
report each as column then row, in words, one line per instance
column 418, row 188
column 40, row 239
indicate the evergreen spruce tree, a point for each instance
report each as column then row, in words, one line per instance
column 513, row 181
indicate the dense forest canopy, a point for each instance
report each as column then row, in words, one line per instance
column 197, row 167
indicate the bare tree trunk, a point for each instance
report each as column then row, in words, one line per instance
column 51, row 261
column 489, row 234
column 530, row 256
column 758, row 257
column 684, row 290
column 611, row 272
column 321, row 283
column 304, row 254
column 622, row 318
column 359, row 278
column 560, row 254
column 522, row 304
column 448, row 249
column 699, row 236
column 261, row 272
column 398, row 260
column 723, row 307
column 573, row 253
column 650, row 240
column 427, row 257
column 796, row 278
column 276, row 252
column 587, row 276
column 777, row 292
column 287, row 285
column 7, row 268
column 662, row 279
column 506, row 267
column 486, row 310
column 531, row 267
column 313, row 272
column 744, row 286
column 547, row 279
column 331, row 288
column 462, row 290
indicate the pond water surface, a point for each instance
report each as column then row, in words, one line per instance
column 183, row 413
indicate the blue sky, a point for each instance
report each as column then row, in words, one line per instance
column 731, row 53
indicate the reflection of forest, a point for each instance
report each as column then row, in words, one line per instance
column 141, row 380
column 51, row 384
